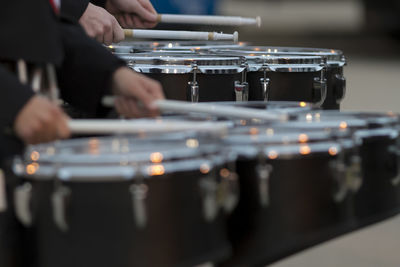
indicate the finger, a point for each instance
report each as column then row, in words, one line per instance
column 137, row 22
column 121, row 21
column 108, row 33
column 118, row 33
column 99, row 38
column 63, row 130
column 134, row 109
column 127, row 110
column 147, row 5
column 129, row 21
column 122, row 107
column 145, row 14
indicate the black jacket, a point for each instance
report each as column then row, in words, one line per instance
column 73, row 9
column 84, row 67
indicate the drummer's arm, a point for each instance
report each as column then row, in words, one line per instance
column 31, row 118
column 90, row 71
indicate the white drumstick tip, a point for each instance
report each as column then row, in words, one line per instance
column 258, row 21
column 235, row 37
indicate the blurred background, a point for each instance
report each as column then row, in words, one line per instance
column 368, row 31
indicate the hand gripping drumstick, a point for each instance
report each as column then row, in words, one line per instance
column 208, row 20
column 180, row 35
column 211, row 109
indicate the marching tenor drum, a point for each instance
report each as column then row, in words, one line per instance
column 284, row 77
column 117, row 201
column 293, row 193
column 335, row 61
column 378, row 197
column 193, row 77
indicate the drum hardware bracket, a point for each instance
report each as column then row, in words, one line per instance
column 139, row 193
column 208, row 188
column 396, row 180
column 354, row 174
column 265, row 83
column 228, row 189
column 241, row 91
column 194, row 85
column 3, row 196
column 319, row 91
column 340, row 90
column 344, row 179
column 22, row 200
column 263, row 172
column 59, row 201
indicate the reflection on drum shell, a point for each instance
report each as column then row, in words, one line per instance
column 102, row 229
column 302, row 210
column 212, row 87
column 378, row 197
column 284, row 86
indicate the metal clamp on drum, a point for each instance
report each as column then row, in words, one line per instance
column 59, row 201
column 263, row 171
column 395, row 151
column 319, row 90
column 340, row 89
column 139, row 194
column 265, row 84
column 344, row 178
column 22, row 200
column 208, row 188
column 194, row 85
column 228, row 189
column 241, row 91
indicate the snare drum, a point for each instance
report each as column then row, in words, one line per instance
column 335, row 62
column 292, row 193
column 193, row 77
column 123, row 202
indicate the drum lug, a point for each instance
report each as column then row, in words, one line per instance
column 208, row 188
column 348, row 177
column 354, row 174
column 265, row 82
column 229, row 191
column 340, row 90
column 3, row 196
column 139, row 194
column 194, row 85
column 59, row 201
column 319, row 91
column 263, row 171
column 241, row 91
column 395, row 151
column 22, row 200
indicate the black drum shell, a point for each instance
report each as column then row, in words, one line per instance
column 103, row 232
column 377, row 198
column 284, row 86
column 302, row 211
column 11, row 238
column 212, row 87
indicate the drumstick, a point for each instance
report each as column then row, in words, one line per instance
column 211, row 109
column 109, row 126
column 180, row 35
column 208, row 20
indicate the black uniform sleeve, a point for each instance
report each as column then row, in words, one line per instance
column 73, row 9
column 86, row 73
column 101, row 3
column 14, row 96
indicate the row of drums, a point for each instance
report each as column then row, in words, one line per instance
column 240, row 72
column 236, row 193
